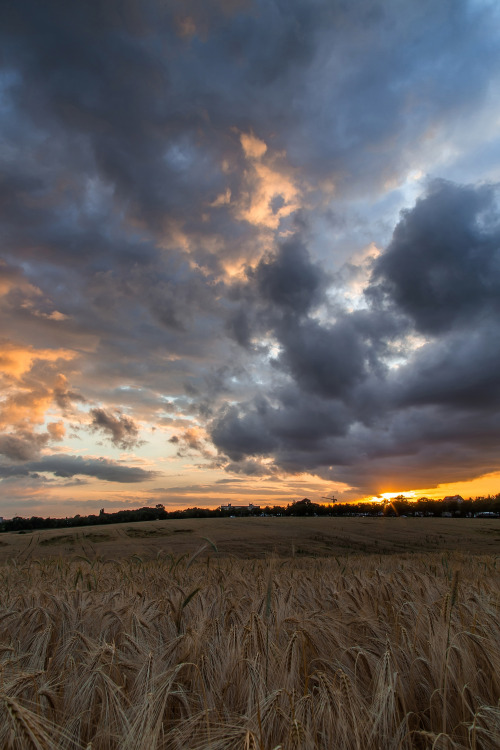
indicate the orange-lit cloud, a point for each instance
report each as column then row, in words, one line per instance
column 17, row 359
column 56, row 430
column 270, row 193
column 31, row 384
column 253, row 147
column 193, row 438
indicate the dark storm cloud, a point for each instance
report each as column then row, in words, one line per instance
column 408, row 447
column 69, row 466
column 289, row 280
column 324, row 360
column 284, row 286
column 458, row 370
column 243, row 435
column 294, row 422
column 130, row 110
column 94, row 79
column 442, row 267
column 239, row 327
column 121, row 429
column 352, row 412
column 282, row 298
column 420, row 447
column 149, row 109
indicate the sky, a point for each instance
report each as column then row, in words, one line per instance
column 249, row 251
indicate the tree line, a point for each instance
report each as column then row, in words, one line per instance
column 399, row 506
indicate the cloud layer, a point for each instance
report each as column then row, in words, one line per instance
column 365, row 398
column 249, row 237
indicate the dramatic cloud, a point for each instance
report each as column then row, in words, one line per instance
column 442, row 267
column 70, row 466
column 289, row 280
column 122, row 430
column 365, row 409
column 24, row 444
column 252, row 237
column 22, row 448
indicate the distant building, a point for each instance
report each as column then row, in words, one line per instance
column 453, row 499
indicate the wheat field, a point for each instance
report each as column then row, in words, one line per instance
column 258, row 537
column 206, row 652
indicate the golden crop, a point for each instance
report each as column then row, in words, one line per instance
column 382, row 652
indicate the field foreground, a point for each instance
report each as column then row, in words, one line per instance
column 258, row 537
column 179, row 653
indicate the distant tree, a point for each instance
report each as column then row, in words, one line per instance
column 303, row 508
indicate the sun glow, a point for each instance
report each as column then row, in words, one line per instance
column 388, row 496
